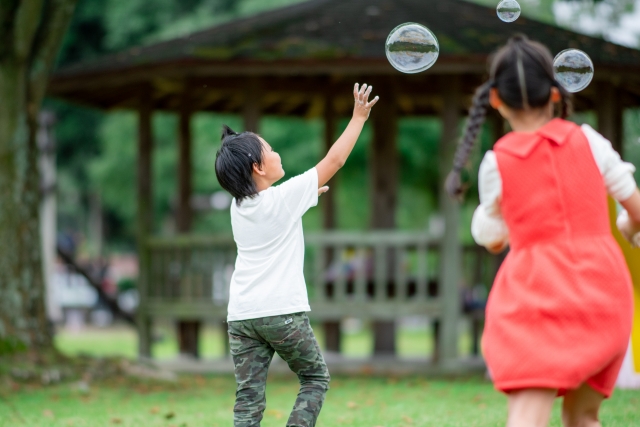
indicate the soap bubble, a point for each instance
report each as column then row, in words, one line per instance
column 412, row 48
column 573, row 69
column 508, row 10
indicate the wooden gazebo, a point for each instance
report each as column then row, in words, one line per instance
column 302, row 60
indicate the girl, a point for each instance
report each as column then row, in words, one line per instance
column 559, row 314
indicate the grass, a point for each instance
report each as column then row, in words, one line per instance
column 122, row 341
column 207, row 401
column 197, row 401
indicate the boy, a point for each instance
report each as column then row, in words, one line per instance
column 268, row 295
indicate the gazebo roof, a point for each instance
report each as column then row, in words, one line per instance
column 320, row 38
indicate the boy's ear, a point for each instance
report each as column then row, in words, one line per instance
column 556, row 96
column 258, row 169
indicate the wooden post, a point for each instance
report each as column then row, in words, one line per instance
column 328, row 198
column 332, row 333
column 251, row 112
column 384, row 194
column 384, row 165
column 188, row 330
column 609, row 113
column 184, row 212
column 145, row 214
column 451, row 249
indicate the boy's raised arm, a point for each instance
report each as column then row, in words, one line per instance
column 340, row 150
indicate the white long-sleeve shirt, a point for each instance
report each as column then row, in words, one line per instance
column 488, row 226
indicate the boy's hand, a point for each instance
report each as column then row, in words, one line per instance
column 338, row 153
column 362, row 106
column 323, row 190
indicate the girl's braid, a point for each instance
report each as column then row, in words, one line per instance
column 565, row 104
column 477, row 115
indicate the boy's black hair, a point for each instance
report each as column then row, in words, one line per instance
column 522, row 72
column 235, row 160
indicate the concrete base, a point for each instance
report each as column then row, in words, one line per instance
column 339, row 365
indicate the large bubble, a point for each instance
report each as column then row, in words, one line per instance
column 573, row 69
column 508, row 10
column 412, row 48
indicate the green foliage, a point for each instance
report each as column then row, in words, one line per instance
column 126, row 284
column 114, row 172
column 85, row 37
column 140, row 21
column 541, row 10
column 632, row 139
column 11, row 345
column 97, row 151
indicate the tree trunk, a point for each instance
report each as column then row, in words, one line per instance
column 31, row 34
column 22, row 309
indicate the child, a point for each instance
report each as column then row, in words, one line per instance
column 268, row 296
column 558, row 318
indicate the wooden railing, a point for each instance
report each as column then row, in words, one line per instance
column 382, row 275
column 188, row 277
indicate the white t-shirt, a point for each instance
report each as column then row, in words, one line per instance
column 268, row 279
column 488, row 226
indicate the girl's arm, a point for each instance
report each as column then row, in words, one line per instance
column 629, row 225
column 488, row 227
column 618, row 178
column 339, row 152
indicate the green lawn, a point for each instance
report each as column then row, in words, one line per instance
column 208, row 401
column 122, row 341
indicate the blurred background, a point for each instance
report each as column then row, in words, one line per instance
column 96, row 171
column 135, row 229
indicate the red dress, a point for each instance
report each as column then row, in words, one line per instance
column 560, row 311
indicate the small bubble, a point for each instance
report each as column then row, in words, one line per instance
column 412, row 48
column 573, row 69
column 508, row 10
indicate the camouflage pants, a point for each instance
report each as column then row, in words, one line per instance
column 253, row 343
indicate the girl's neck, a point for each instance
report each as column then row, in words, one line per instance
column 528, row 121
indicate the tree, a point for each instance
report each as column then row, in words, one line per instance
column 31, row 32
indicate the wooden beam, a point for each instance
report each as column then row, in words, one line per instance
column 609, row 113
column 184, row 212
column 137, row 74
column 384, row 161
column 332, row 331
column 145, row 213
column 284, row 86
column 251, row 109
column 188, row 331
column 451, row 250
column 328, row 199
column 384, row 180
